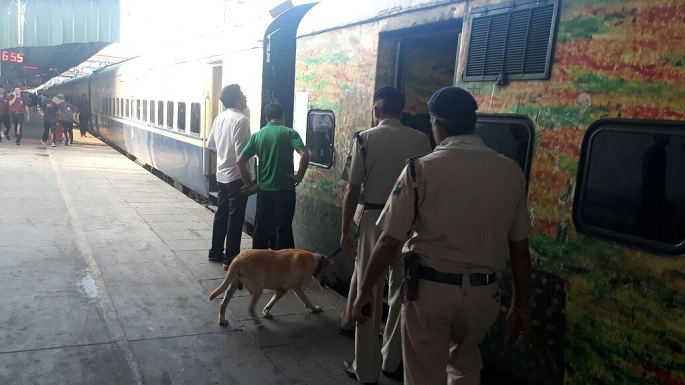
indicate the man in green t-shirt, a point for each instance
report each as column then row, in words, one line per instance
column 274, row 145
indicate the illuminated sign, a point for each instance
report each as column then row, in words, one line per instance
column 10, row 56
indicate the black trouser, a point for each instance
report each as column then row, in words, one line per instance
column 83, row 121
column 274, row 220
column 47, row 127
column 5, row 120
column 18, row 122
column 68, row 132
column 228, row 221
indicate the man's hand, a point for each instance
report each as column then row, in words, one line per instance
column 298, row 180
column 518, row 325
column 249, row 189
column 363, row 298
column 347, row 243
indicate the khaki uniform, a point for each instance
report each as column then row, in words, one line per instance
column 471, row 203
column 377, row 158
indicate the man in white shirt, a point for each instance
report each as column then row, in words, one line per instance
column 229, row 135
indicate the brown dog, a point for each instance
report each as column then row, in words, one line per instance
column 278, row 270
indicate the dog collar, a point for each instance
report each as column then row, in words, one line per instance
column 319, row 258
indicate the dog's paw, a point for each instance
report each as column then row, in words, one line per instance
column 266, row 313
column 223, row 322
column 317, row 309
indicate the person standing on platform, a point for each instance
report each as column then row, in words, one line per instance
column 377, row 158
column 84, row 113
column 229, row 134
column 4, row 113
column 464, row 206
column 274, row 145
column 66, row 117
column 50, row 113
column 19, row 110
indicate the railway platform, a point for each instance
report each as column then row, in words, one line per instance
column 104, row 280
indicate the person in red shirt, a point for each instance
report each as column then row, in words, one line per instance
column 4, row 113
column 19, row 110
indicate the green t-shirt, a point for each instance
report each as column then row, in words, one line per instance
column 274, row 145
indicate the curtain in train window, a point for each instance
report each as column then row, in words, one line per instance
column 320, row 135
column 631, row 185
column 195, row 110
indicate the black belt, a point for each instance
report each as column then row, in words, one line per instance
column 373, row 206
column 475, row 279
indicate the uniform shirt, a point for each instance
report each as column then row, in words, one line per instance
column 274, row 145
column 472, row 201
column 386, row 147
column 19, row 105
column 50, row 112
column 5, row 105
column 228, row 136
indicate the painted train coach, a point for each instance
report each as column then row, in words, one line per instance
column 588, row 97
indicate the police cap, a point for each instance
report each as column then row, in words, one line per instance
column 392, row 94
column 452, row 103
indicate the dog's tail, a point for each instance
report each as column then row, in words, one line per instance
column 230, row 276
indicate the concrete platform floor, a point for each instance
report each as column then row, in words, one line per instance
column 104, row 280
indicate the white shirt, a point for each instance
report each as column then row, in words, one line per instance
column 229, row 135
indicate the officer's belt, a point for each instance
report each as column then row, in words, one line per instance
column 373, row 206
column 475, row 279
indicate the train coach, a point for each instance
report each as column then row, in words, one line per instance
column 586, row 96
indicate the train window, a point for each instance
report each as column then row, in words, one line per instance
column 181, row 116
column 139, row 115
column 152, row 111
column 195, row 112
column 320, row 135
column 128, row 109
column 121, row 107
column 170, row 115
column 144, row 110
column 511, row 43
column 631, row 184
column 510, row 135
column 117, row 105
column 160, row 113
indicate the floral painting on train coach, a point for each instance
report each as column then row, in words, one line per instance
column 609, row 315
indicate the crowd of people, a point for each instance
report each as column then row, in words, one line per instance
column 438, row 225
column 59, row 115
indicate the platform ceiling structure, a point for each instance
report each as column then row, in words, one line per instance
column 40, row 39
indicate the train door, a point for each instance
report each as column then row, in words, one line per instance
column 212, row 109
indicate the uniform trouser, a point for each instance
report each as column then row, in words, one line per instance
column 346, row 322
column 442, row 329
column 370, row 356
column 228, row 221
column 274, row 220
column 18, row 123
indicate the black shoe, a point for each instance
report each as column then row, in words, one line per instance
column 349, row 369
column 216, row 259
column 346, row 333
column 397, row 374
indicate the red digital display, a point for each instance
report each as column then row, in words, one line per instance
column 10, row 56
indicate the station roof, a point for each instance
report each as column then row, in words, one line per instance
column 30, row 67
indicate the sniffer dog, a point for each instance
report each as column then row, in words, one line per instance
column 278, row 270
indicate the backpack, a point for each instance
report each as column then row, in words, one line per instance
column 67, row 113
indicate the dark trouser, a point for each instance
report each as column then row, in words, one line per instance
column 228, row 221
column 83, row 123
column 274, row 220
column 5, row 121
column 47, row 127
column 68, row 132
column 18, row 122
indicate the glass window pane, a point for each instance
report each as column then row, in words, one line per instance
column 152, row 111
column 195, row 111
column 320, row 135
column 181, row 116
column 170, row 114
column 144, row 110
column 160, row 113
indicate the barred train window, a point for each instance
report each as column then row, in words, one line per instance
column 320, row 135
column 195, row 111
column 631, row 184
column 511, row 41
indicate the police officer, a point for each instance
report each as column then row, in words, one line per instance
column 465, row 206
column 377, row 158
